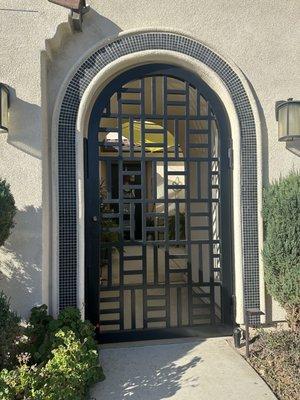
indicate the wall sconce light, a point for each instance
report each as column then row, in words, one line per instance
column 72, row 4
column 78, row 9
column 4, row 106
column 288, row 117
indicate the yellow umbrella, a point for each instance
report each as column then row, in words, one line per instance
column 154, row 135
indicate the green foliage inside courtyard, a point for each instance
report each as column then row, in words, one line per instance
column 281, row 253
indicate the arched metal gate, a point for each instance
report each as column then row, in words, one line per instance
column 158, row 212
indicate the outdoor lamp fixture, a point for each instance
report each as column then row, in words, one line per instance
column 288, row 117
column 4, row 106
column 78, row 9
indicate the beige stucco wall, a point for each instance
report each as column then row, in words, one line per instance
column 23, row 28
column 260, row 37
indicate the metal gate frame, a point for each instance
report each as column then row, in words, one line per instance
column 92, row 209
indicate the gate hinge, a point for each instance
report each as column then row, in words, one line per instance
column 230, row 157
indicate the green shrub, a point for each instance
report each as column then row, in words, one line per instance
column 19, row 383
column 59, row 360
column 275, row 356
column 8, row 381
column 38, row 335
column 9, row 332
column 72, row 368
column 7, row 211
column 281, row 212
column 42, row 331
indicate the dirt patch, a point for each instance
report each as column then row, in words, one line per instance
column 276, row 357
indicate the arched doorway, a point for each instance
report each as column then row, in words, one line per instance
column 158, row 209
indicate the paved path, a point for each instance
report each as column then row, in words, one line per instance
column 186, row 369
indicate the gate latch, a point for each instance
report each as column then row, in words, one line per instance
column 95, row 218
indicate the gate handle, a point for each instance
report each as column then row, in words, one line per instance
column 95, row 218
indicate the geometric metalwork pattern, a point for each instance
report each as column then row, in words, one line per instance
column 135, row 43
column 160, row 261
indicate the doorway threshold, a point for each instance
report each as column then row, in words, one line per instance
column 202, row 332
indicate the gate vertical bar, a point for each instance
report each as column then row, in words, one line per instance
column 121, row 210
column 166, row 202
column 209, row 186
column 144, row 205
column 188, row 204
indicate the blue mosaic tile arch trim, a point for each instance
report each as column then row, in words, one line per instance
column 67, row 163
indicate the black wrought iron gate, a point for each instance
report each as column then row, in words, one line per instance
column 157, row 205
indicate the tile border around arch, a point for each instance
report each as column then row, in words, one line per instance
column 125, row 45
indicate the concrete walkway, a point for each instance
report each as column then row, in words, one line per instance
column 182, row 369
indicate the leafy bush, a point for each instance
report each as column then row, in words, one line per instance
column 9, row 332
column 59, row 360
column 7, row 211
column 38, row 336
column 67, row 375
column 281, row 252
column 18, row 383
column 43, row 328
column 73, row 368
column 275, row 356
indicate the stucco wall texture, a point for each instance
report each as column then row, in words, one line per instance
column 260, row 37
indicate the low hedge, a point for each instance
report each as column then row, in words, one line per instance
column 58, row 360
